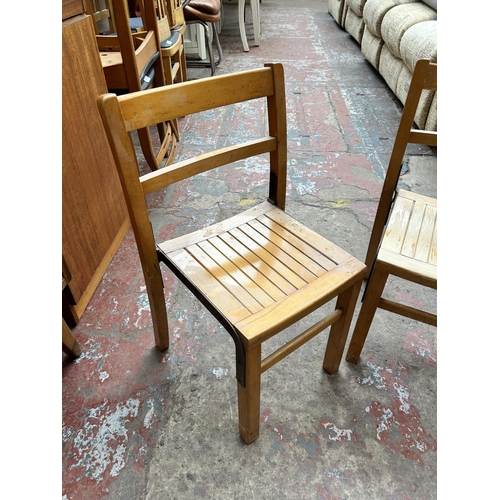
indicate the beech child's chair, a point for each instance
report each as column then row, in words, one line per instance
column 258, row 272
column 409, row 244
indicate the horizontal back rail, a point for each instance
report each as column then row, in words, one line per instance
column 425, row 137
column 175, row 101
column 202, row 163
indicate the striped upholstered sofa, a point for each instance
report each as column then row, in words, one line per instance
column 393, row 36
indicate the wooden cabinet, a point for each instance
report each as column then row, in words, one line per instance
column 94, row 214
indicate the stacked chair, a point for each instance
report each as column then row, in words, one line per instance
column 132, row 62
column 172, row 27
column 102, row 16
column 70, row 345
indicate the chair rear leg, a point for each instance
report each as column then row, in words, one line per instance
column 373, row 292
column 241, row 21
column 209, row 43
column 249, row 396
column 218, row 45
column 69, row 344
column 340, row 329
column 156, row 296
column 256, row 21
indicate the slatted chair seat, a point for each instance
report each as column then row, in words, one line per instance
column 260, row 269
column 410, row 241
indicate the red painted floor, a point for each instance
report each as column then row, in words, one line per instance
column 138, row 423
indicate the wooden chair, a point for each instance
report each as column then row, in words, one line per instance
column 409, row 246
column 258, row 272
column 132, row 62
column 406, row 134
column 171, row 44
column 102, row 16
column 175, row 12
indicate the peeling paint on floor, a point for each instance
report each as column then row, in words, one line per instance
column 141, row 424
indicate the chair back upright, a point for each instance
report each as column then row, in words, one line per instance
column 100, row 10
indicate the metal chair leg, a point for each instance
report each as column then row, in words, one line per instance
column 210, row 35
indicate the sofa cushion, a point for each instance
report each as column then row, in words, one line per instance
column 425, row 103
column 356, row 6
column 419, row 42
column 431, row 121
column 390, row 68
column 375, row 10
column 371, row 46
column 354, row 25
column 399, row 19
column 337, row 11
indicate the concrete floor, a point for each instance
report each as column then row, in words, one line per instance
column 140, row 424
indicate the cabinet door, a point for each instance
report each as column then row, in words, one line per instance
column 93, row 208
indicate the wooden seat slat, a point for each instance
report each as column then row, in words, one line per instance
column 301, row 243
column 220, row 275
column 282, row 239
column 234, row 270
column 247, row 267
column 293, row 265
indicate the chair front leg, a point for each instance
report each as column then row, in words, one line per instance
column 373, row 292
column 340, row 329
column 249, row 396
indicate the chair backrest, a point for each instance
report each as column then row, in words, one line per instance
column 124, row 114
column 175, row 12
column 424, row 79
column 100, row 10
column 163, row 20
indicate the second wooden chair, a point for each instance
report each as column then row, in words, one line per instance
column 406, row 245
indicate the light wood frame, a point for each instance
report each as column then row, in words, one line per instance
column 226, row 277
